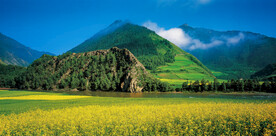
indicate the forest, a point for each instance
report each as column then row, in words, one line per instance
column 248, row 85
column 105, row 70
column 8, row 73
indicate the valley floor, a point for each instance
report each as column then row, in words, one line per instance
column 47, row 113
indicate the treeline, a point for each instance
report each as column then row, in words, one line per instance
column 8, row 73
column 247, row 85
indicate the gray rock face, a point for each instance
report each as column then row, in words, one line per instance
column 136, row 70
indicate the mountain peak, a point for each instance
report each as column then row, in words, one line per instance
column 118, row 23
column 111, row 28
column 186, row 27
column 149, row 48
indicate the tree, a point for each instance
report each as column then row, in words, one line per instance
column 83, row 85
column 211, row 87
column 266, row 87
column 203, row 85
column 74, row 83
column 184, row 86
column 113, row 86
column 63, row 84
column 196, row 86
column 223, row 87
column 216, row 84
column 242, row 86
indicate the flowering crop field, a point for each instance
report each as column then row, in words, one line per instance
column 135, row 116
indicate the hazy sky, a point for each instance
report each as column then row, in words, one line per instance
column 59, row 25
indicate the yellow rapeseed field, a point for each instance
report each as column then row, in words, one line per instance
column 208, row 118
column 43, row 97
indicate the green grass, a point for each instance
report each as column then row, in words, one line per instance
column 219, row 73
column 13, row 93
column 19, row 106
column 234, row 72
column 181, row 70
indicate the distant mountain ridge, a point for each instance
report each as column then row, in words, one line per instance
column 15, row 53
column 236, row 53
column 150, row 49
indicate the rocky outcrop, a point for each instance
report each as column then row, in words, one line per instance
column 109, row 70
column 131, row 82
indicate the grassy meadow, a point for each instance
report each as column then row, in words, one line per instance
column 48, row 113
column 181, row 70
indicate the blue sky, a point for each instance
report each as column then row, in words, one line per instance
column 59, row 25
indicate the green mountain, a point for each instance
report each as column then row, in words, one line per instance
column 167, row 61
column 267, row 72
column 13, row 52
column 232, row 54
column 107, row 70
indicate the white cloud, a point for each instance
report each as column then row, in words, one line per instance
column 174, row 35
column 180, row 38
column 197, row 44
column 184, row 41
column 153, row 26
column 234, row 40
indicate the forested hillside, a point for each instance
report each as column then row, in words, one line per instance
column 150, row 49
column 107, row 70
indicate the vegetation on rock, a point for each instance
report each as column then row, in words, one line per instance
column 107, row 70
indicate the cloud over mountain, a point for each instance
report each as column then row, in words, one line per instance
column 174, row 35
column 185, row 41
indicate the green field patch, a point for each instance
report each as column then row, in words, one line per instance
column 13, row 93
column 168, row 76
column 182, row 69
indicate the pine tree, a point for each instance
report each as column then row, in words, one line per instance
column 242, row 86
column 184, row 86
column 83, row 84
column 216, row 84
column 203, row 85
column 224, row 87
